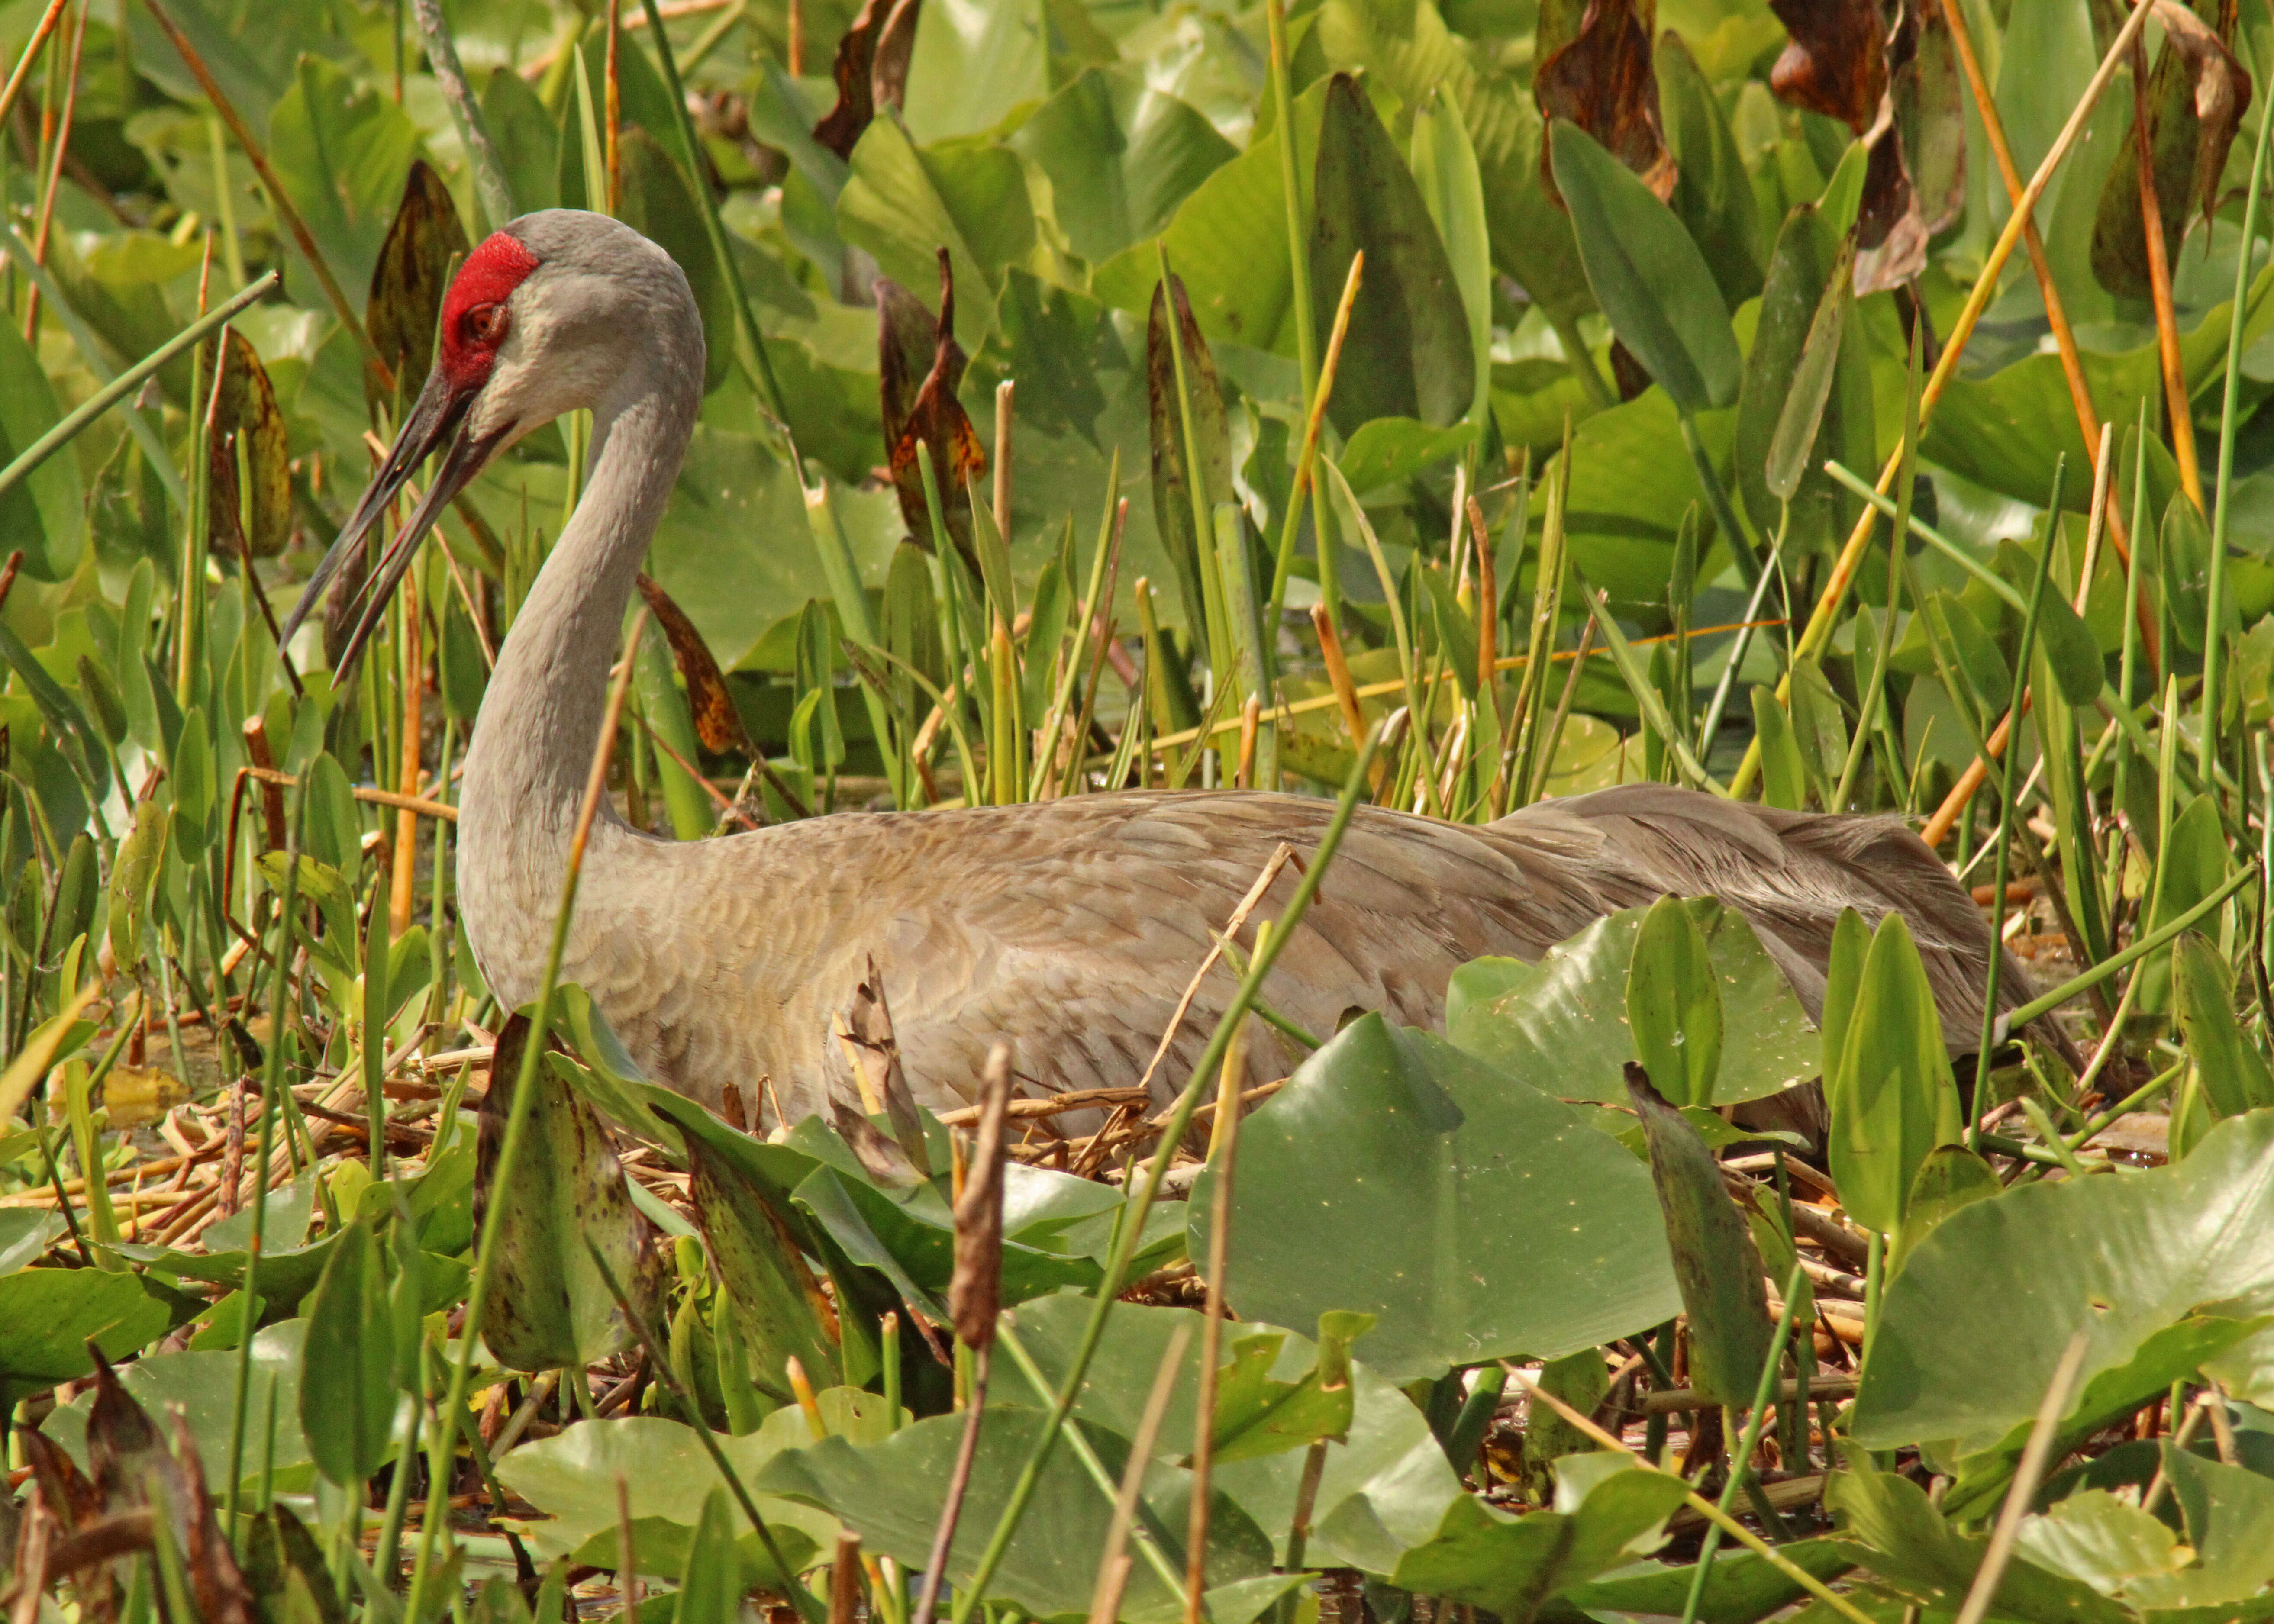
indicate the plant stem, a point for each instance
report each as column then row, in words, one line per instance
column 2214, row 641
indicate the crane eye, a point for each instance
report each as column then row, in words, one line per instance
column 484, row 324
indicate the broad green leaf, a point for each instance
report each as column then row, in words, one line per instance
column 1888, row 1086
column 2229, row 1514
column 44, row 514
column 973, row 67
column 1122, row 156
column 2192, row 863
column 1784, row 780
column 341, row 149
column 1383, row 1488
column 1477, row 1216
column 1741, row 1589
column 1647, row 275
column 2233, row 1072
column 1893, row 1529
column 1229, row 243
column 1257, row 1415
column 1715, row 1263
column 903, row 203
column 1973, row 1327
column 1981, row 664
column 1631, row 488
column 1713, row 194
column 1800, row 423
column 571, row 1480
column 1389, row 450
column 2111, row 1543
column 204, row 1386
column 1445, row 167
column 710, row 1585
column 754, row 1236
column 348, row 1382
column 1408, row 352
column 1562, row 1025
column 890, row 1493
column 659, row 203
column 1607, row 1513
column 1674, row 1004
column 47, row 1316
column 1951, row 1177
column 551, row 1306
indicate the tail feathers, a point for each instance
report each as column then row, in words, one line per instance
column 1792, row 874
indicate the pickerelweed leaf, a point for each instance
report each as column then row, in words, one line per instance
column 1891, row 1527
column 1653, row 285
column 1800, row 425
column 1888, row 1086
column 1408, row 351
column 1563, row 1024
column 1971, row 1329
column 1122, row 155
column 44, row 514
column 2232, row 1073
column 1674, row 1004
column 1713, row 194
column 422, row 247
column 1608, row 1511
column 1172, row 471
column 571, row 1480
column 1715, row 1263
column 551, row 1306
column 1388, row 1149
column 348, row 1391
column 47, row 1317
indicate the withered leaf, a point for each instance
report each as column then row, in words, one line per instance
column 1834, row 60
column 1595, row 70
column 875, row 1054
column 871, row 69
column 717, row 722
column 930, row 414
column 259, row 511
column 413, row 274
column 2195, row 100
column 567, row 1211
column 974, row 1291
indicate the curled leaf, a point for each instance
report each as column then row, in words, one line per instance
column 975, row 1293
column 1599, row 77
column 923, row 409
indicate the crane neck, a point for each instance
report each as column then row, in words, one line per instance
column 531, row 750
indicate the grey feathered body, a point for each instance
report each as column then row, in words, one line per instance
column 1068, row 928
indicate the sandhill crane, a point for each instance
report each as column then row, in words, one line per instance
column 1070, row 926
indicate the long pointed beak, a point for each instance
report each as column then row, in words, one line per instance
column 437, row 416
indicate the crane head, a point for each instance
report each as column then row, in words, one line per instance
column 545, row 316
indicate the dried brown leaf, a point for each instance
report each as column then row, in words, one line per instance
column 1596, row 70
column 717, row 722
column 871, row 70
column 975, row 1292
column 2195, row 98
column 875, row 1054
column 1835, row 61
column 930, row 414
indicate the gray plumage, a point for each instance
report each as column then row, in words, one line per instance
column 1068, row 928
